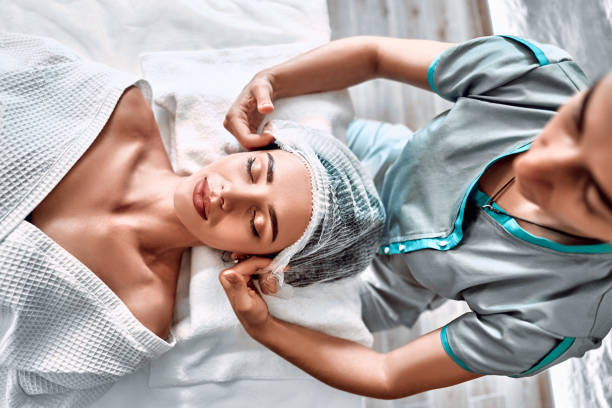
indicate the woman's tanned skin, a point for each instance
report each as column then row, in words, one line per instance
column 124, row 213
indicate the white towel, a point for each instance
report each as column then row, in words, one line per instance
column 195, row 90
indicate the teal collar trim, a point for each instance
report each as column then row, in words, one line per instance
column 510, row 225
column 561, row 348
column 539, row 54
column 450, row 241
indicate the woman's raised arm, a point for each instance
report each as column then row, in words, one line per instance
column 418, row 366
column 335, row 65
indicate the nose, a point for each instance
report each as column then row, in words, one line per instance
column 234, row 197
column 555, row 164
column 558, row 160
column 556, row 152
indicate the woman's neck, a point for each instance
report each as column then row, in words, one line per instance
column 517, row 205
column 148, row 211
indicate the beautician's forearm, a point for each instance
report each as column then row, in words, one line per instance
column 346, row 62
column 337, row 362
column 418, row 366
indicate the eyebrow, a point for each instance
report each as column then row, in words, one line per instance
column 274, row 222
column 583, row 107
column 271, row 210
column 270, row 175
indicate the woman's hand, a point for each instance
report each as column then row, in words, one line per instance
column 248, row 111
column 240, row 289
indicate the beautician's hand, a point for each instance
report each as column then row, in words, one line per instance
column 240, row 289
column 248, row 111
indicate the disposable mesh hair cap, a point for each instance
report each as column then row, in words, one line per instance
column 347, row 215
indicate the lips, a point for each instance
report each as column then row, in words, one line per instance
column 201, row 198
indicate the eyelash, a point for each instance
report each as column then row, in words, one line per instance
column 585, row 194
column 577, row 125
column 249, row 166
column 253, row 229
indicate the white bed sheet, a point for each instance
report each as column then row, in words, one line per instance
column 115, row 33
column 133, row 391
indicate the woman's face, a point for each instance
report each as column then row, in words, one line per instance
column 567, row 171
column 251, row 203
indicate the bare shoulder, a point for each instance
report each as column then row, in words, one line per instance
column 132, row 114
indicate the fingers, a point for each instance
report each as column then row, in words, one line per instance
column 236, row 290
column 253, row 265
column 248, row 305
column 254, row 140
column 268, row 283
column 237, row 125
column 262, row 94
column 243, row 128
column 248, row 111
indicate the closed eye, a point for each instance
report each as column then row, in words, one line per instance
column 253, row 229
column 249, row 168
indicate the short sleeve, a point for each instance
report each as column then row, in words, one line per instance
column 501, row 344
column 487, row 65
column 377, row 145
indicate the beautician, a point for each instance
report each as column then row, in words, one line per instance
column 504, row 202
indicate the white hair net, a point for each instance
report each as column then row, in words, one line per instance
column 347, row 215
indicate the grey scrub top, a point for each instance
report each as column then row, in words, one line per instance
column 533, row 302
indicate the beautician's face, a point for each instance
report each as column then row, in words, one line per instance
column 568, row 169
column 251, row 203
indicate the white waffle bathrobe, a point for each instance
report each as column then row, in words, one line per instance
column 64, row 336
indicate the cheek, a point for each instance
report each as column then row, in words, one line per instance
column 228, row 235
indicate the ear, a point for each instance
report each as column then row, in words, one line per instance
column 239, row 256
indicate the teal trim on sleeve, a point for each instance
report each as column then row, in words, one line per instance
column 539, row 54
column 450, row 241
column 510, row 225
column 430, row 73
column 561, row 348
column 449, row 351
